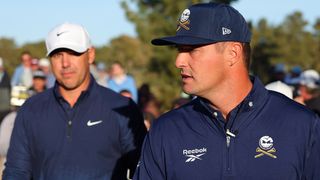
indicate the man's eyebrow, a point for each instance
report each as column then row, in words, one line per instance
column 186, row 48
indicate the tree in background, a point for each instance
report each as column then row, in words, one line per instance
column 316, row 27
column 10, row 54
column 264, row 48
column 295, row 42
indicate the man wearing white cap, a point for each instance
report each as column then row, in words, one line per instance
column 77, row 129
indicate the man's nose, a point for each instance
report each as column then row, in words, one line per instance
column 181, row 60
column 65, row 59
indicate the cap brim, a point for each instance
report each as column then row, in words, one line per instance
column 74, row 48
column 181, row 40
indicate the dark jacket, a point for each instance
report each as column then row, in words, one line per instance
column 267, row 137
column 99, row 138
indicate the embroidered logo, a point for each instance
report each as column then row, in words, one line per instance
column 225, row 31
column 194, row 154
column 58, row 34
column 184, row 20
column 266, row 147
column 92, row 123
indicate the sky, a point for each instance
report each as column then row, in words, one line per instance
column 30, row 21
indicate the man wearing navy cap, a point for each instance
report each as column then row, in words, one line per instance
column 235, row 129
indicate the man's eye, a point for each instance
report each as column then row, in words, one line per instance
column 186, row 49
column 56, row 55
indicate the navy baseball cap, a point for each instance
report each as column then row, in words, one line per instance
column 208, row 23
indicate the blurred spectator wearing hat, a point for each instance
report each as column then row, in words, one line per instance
column 309, row 90
column 293, row 78
column 22, row 75
column 102, row 74
column 39, row 82
column 44, row 65
column 308, row 87
column 5, row 89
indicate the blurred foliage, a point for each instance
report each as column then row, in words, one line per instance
column 290, row 42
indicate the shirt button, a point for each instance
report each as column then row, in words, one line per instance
column 215, row 114
column 250, row 103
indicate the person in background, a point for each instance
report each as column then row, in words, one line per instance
column 102, row 74
column 6, row 127
column 308, row 86
column 5, row 135
column 144, row 94
column 94, row 70
column 22, row 75
column 293, row 78
column 39, row 83
column 5, row 89
column 120, row 80
column 34, row 64
column 152, row 106
column 77, row 129
column 278, row 72
column 44, row 65
column 126, row 93
column 148, row 119
column 309, row 90
column 234, row 128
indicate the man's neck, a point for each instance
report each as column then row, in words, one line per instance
column 230, row 95
column 72, row 96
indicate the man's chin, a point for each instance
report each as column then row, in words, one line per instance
column 187, row 90
column 68, row 87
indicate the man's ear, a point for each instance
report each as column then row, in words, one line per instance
column 233, row 53
column 91, row 54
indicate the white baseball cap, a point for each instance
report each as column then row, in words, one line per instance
column 44, row 62
column 310, row 78
column 69, row 36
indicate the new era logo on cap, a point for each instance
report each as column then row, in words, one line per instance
column 69, row 36
column 208, row 23
column 225, row 31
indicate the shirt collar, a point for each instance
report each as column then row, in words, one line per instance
column 254, row 99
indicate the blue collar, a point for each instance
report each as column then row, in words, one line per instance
column 256, row 97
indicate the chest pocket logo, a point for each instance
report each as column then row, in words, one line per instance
column 266, row 147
